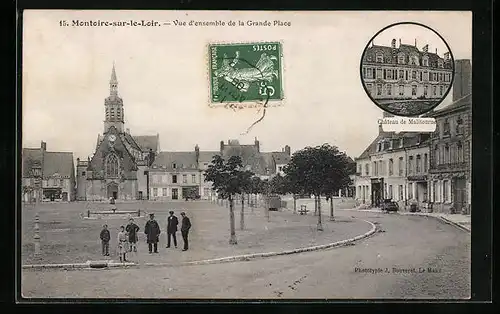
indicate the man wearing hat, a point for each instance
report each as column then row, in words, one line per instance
column 172, row 223
column 152, row 231
column 186, row 225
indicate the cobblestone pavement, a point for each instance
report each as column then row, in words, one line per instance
column 404, row 243
column 67, row 238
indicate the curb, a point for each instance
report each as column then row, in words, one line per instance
column 246, row 257
column 440, row 218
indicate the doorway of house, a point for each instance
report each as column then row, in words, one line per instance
column 113, row 191
column 175, row 194
column 377, row 193
column 459, row 194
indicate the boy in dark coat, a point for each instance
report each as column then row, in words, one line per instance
column 186, row 225
column 132, row 230
column 105, row 236
column 152, row 231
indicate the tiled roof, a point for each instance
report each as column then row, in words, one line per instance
column 131, row 140
column 147, row 142
column 462, row 102
column 183, row 161
column 51, row 162
column 250, row 156
column 410, row 139
column 390, row 54
column 371, row 148
column 58, row 162
column 206, row 156
column 29, row 157
column 281, row 158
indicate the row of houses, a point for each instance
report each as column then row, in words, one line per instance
column 132, row 167
column 431, row 170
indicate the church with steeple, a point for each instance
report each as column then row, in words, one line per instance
column 118, row 167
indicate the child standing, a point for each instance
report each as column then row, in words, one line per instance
column 105, row 236
column 122, row 244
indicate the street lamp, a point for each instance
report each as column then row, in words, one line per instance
column 37, row 175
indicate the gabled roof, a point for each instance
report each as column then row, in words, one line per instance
column 131, row 141
column 51, row 162
column 280, row 157
column 147, row 142
column 183, row 161
column 30, row 156
column 58, row 163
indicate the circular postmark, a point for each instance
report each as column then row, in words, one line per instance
column 407, row 69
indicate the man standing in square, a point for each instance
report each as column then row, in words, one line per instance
column 172, row 223
column 186, row 225
column 152, row 231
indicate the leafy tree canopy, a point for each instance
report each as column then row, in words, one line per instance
column 319, row 170
column 227, row 176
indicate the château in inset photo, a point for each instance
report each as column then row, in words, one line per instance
column 404, row 79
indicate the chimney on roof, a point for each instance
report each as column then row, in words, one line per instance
column 43, row 146
column 415, row 42
column 257, row 145
column 393, row 43
column 400, row 42
column 197, row 152
column 436, row 51
column 221, row 146
column 425, row 48
column 462, row 82
column 287, row 150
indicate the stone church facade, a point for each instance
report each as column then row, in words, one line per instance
column 118, row 168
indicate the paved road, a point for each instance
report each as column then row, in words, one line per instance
column 406, row 243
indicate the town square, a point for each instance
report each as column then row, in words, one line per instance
column 236, row 165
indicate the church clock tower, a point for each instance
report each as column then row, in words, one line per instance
column 113, row 104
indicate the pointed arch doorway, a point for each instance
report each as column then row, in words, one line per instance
column 113, row 190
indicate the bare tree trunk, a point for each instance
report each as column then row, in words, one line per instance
column 232, row 239
column 294, row 204
column 315, row 205
column 332, row 217
column 320, row 225
column 242, row 213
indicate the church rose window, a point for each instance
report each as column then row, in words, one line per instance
column 112, row 166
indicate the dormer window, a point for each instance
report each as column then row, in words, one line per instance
column 440, row 63
column 414, row 60
column 401, row 58
column 380, row 57
column 174, row 166
column 400, row 142
column 425, row 61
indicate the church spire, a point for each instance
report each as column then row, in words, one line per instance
column 113, row 82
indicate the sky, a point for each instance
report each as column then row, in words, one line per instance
column 163, row 77
column 409, row 33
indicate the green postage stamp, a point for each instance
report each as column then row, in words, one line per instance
column 245, row 74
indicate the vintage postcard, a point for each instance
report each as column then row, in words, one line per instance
column 246, row 155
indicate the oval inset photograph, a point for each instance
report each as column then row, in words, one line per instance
column 407, row 69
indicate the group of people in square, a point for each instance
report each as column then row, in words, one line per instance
column 128, row 235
